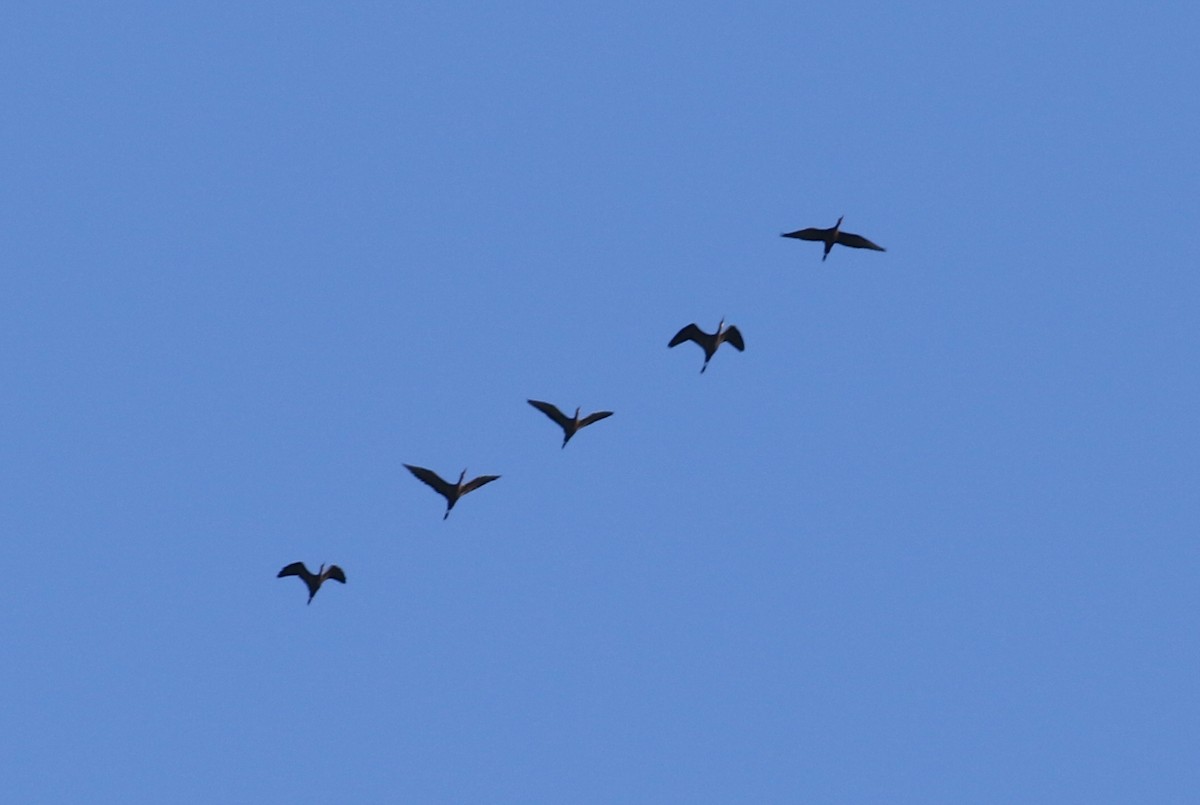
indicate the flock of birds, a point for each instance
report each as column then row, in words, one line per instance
column 709, row 342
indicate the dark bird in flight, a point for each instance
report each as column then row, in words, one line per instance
column 833, row 235
column 710, row 341
column 570, row 426
column 313, row 581
column 451, row 492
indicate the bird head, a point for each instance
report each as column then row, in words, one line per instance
column 462, row 475
column 577, row 411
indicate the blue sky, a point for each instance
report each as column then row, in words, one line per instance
column 931, row 538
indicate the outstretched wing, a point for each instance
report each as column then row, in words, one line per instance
column 294, row 569
column 689, row 333
column 596, row 417
column 857, row 242
column 431, row 478
column 733, row 337
column 551, row 411
column 334, row 572
column 811, row 233
column 478, row 482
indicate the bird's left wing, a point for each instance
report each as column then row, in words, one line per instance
column 478, row 482
column 857, row 242
column 733, row 337
column 596, row 417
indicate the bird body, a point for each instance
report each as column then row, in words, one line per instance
column 570, row 425
column 710, row 341
column 313, row 581
column 451, row 492
column 833, row 235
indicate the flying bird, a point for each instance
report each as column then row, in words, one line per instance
column 833, row 235
column 313, row 581
column 569, row 425
column 451, row 492
column 710, row 341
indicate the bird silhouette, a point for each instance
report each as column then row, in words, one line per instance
column 451, row 492
column 833, row 235
column 710, row 341
column 569, row 425
column 313, row 581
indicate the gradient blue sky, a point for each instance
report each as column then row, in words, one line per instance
column 931, row 538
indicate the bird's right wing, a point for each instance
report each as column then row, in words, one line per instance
column 811, row 233
column 596, row 417
column 478, row 482
column 689, row 333
column 431, row 478
column 551, row 411
column 294, row 569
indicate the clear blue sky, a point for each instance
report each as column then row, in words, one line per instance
column 931, row 538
